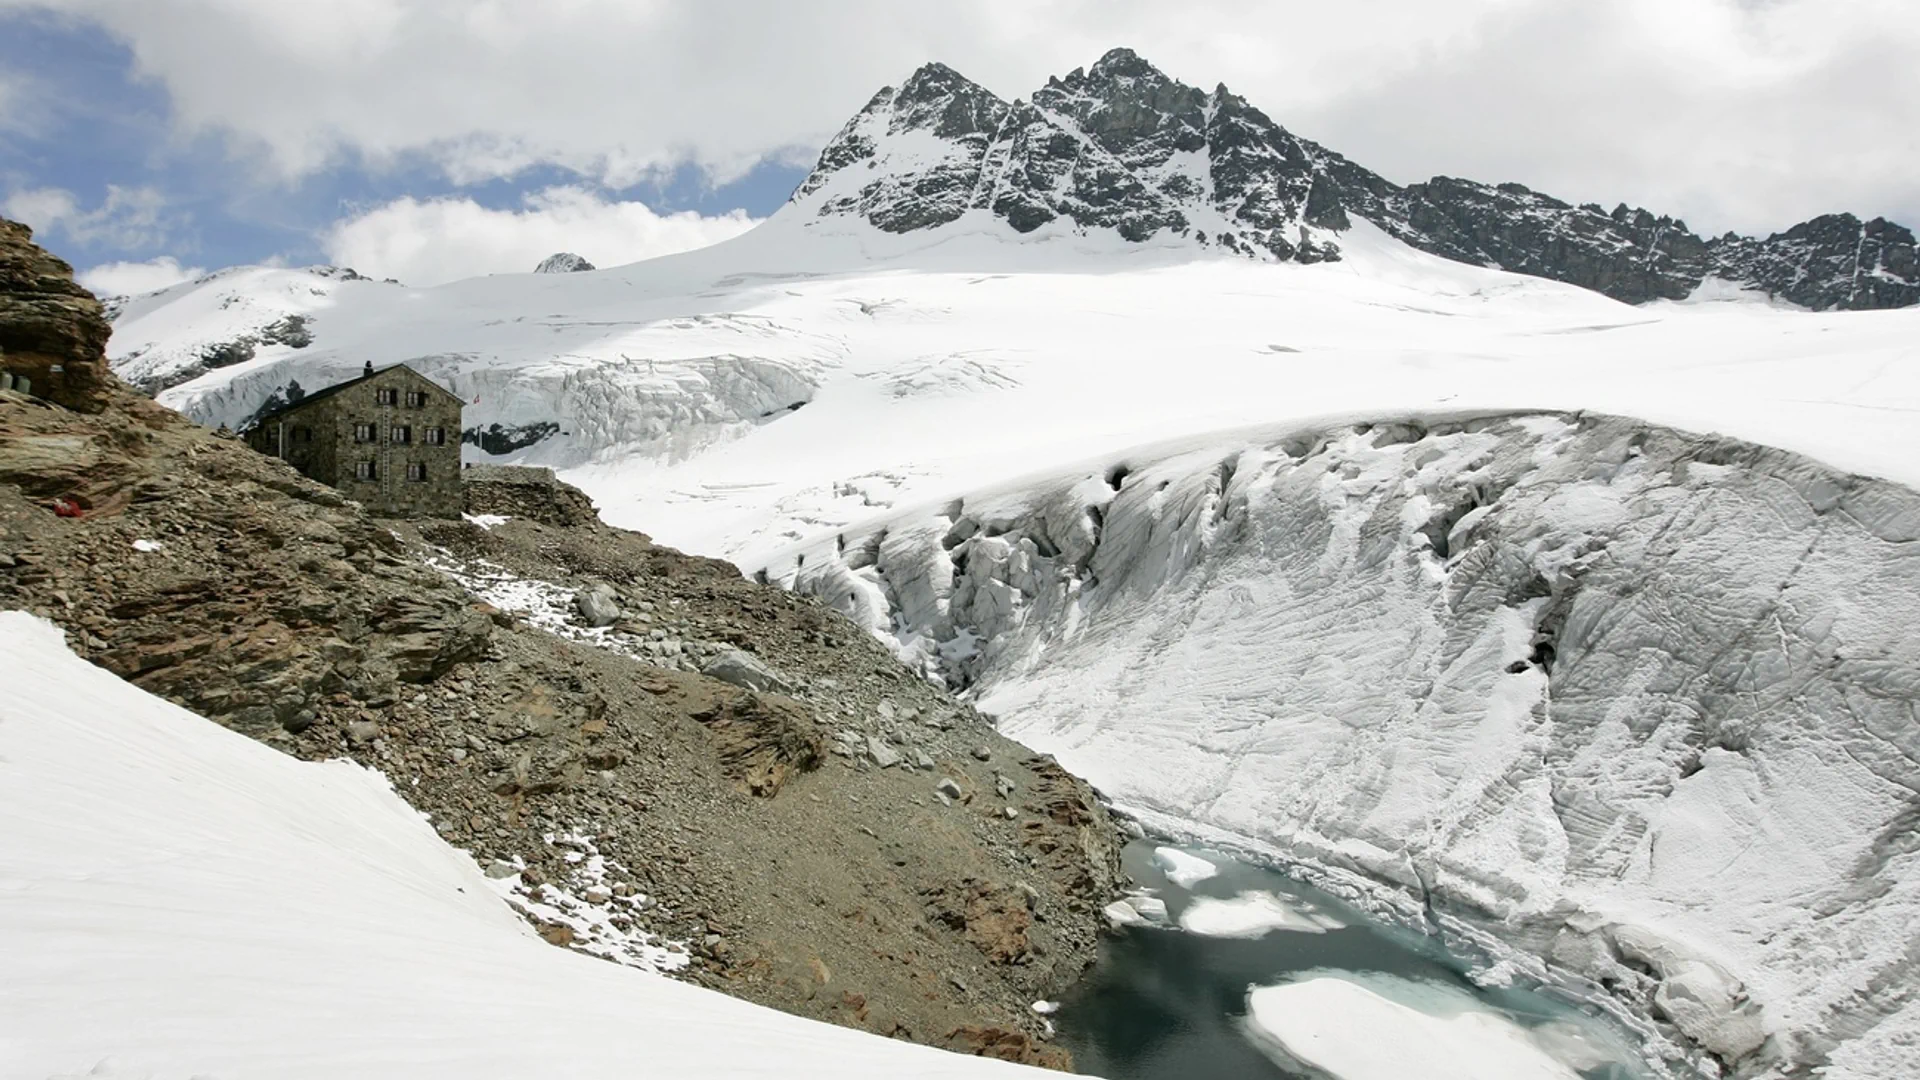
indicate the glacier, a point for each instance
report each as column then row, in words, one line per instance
column 1641, row 701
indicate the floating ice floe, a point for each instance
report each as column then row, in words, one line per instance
column 1344, row 1029
column 1255, row 914
column 1183, row 868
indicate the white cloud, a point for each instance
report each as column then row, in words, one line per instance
column 134, row 278
column 439, row 240
column 128, row 218
column 16, row 103
column 1749, row 113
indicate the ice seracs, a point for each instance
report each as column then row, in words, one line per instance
column 1640, row 700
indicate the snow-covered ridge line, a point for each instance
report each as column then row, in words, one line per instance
column 1120, row 147
column 1646, row 698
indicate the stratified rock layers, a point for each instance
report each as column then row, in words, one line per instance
column 52, row 331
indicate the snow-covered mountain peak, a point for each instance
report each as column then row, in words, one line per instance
column 1123, row 148
column 1119, row 146
column 227, row 318
column 562, row 262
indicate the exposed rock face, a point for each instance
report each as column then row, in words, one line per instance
column 500, row 439
column 51, row 330
column 518, row 491
column 1832, row 261
column 1118, row 147
column 1644, row 700
column 1121, row 146
column 562, row 262
column 763, row 740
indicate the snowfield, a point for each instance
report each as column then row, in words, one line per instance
column 1356, row 565
column 814, row 371
column 179, row 901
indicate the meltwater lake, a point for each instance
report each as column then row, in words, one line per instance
column 1247, row 973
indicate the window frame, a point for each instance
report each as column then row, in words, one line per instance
column 416, row 472
column 400, row 434
column 385, row 395
column 434, row 436
column 366, row 433
column 367, row 470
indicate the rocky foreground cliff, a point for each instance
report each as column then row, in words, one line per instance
column 806, row 824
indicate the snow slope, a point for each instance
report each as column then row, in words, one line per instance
column 177, row 900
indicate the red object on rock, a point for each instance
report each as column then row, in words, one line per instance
column 66, row 508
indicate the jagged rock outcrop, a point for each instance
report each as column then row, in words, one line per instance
column 1120, row 146
column 52, row 331
column 1832, row 261
column 562, row 262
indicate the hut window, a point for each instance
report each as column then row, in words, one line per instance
column 436, row 436
column 401, row 434
column 416, row 470
column 365, row 470
column 385, row 397
column 363, row 433
column 416, row 399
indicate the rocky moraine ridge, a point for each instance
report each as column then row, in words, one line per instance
column 660, row 762
column 1121, row 146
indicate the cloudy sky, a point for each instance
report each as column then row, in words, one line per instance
column 149, row 140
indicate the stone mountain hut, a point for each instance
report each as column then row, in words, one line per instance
column 389, row 440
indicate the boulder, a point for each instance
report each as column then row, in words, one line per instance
column 881, row 754
column 763, row 740
column 598, row 604
column 745, row 671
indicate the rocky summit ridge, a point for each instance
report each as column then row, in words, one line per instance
column 1122, row 146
